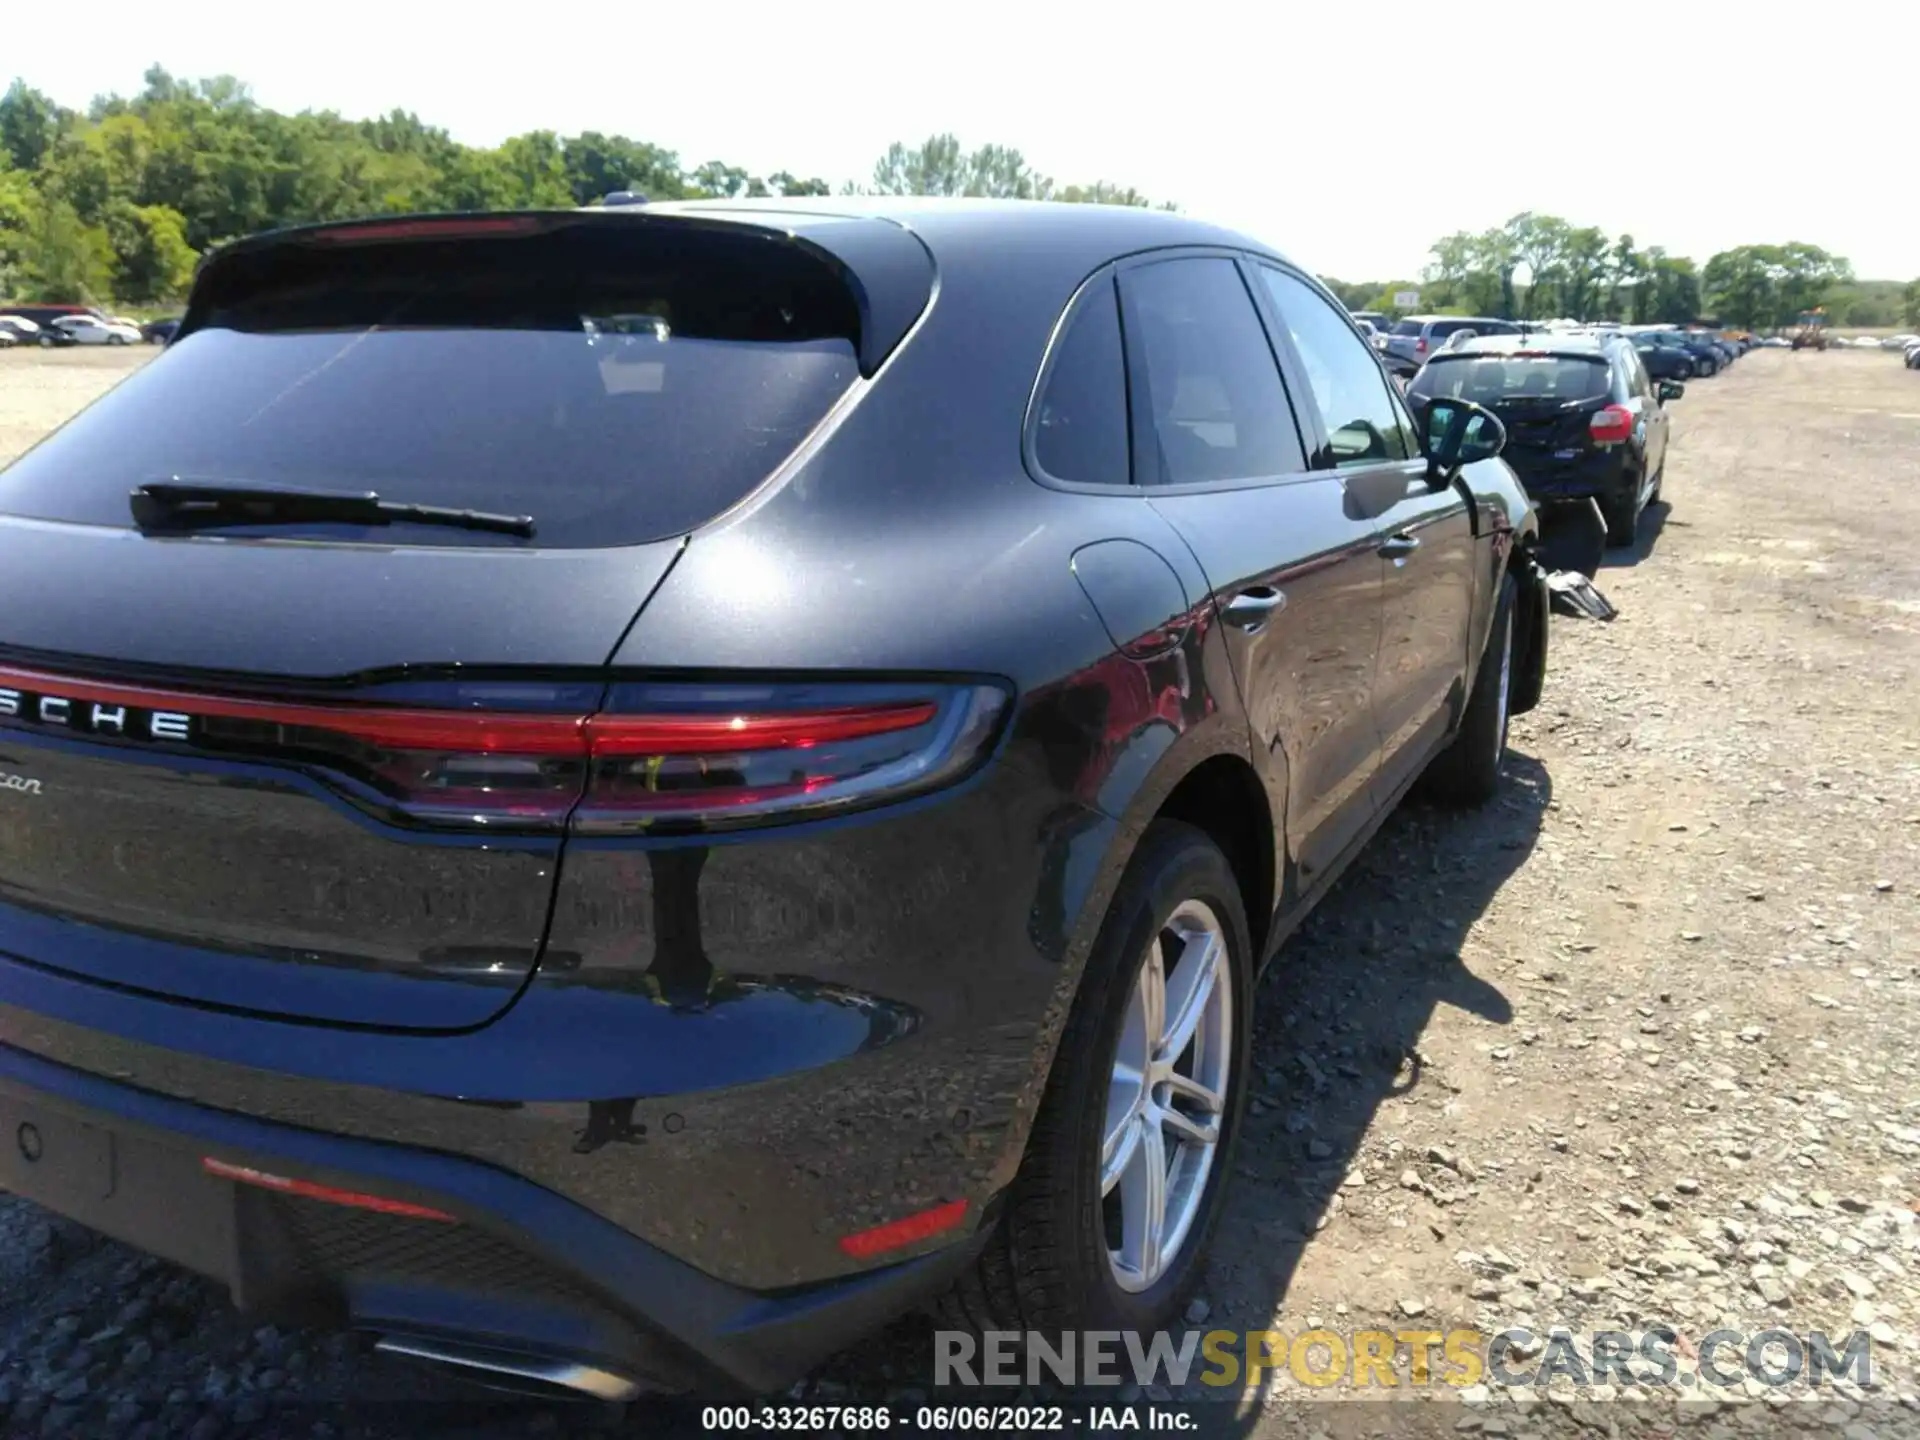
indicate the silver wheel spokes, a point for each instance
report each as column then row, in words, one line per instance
column 1167, row 1095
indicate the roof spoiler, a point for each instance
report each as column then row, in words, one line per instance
column 885, row 267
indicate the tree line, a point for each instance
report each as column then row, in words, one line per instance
column 121, row 201
column 1538, row 267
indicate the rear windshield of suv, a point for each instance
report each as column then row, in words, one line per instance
column 618, row 382
column 1491, row 379
column 1407, row 327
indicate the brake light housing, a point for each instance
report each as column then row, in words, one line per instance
column 582, row 757
column 1611, row 426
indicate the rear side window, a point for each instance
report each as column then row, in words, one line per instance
column 1207, row 391
column 1081, row 430
column 618, row 383
column 1491, row 379
column 1406, row 327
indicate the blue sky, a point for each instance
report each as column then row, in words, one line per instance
column 1347, row 135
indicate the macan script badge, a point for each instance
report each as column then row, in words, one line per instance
column 19, row 783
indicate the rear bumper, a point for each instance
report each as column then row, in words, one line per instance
column 518, row 1269
column 1611, row 477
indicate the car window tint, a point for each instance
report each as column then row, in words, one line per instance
column 1208, row 390
column 618, row 383
column 1406, row 327
column 1081, row 432
column 1493, row 379
column 1348, row 385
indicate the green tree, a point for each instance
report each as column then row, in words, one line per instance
column 939, row 166
column 1673, row 293
column 152, row 258
column 597, row 165
column 64, row 259
column 1910, row 303
column 721, row 181
column 782, row 183
column 30, row 123
column 1587, row 274
column 1740, row 285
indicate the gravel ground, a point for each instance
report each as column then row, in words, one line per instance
column 1634, row 1047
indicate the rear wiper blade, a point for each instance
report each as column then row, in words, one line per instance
column 186, row 505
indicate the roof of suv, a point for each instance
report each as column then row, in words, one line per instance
column 1535, row 344
column 1459, row 319
column 883, row 244
column 952, row 225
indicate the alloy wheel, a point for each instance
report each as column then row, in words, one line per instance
column 1167, row 1095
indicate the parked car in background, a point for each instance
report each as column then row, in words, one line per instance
column 1375, row 318
column 159, row 332
column 1664, row 362
column 1583, row 416
column 8, row 339
column 1413, row 339
column 1707, row 358
column 1912, row 355
column 23, row 330
column 46, row 314
column 87, row 330
column 284, row 927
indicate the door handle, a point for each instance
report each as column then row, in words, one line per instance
column 1251, row 609
column 1399, row 547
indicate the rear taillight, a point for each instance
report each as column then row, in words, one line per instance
column 674, row 757
column 1611, row 426
column 620, row 759
column 1420, row 346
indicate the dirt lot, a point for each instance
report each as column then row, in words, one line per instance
column 1635, row 1047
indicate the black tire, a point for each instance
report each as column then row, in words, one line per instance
column 1046, row 1266
column 1467, row 772
column 1623, row 519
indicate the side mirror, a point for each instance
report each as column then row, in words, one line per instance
column 1669, row 390
column 1459, row 433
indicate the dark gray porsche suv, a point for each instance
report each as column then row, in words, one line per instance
column 622, row 796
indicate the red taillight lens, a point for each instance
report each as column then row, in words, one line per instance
column 528, row 757
column 673, row 758
column 1611, row 426
column 1420, row 347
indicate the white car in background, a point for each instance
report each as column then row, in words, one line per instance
column 19, row 329
column 89, row 330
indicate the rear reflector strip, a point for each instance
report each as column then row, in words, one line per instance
column 307, row 1190
column 897, row 1234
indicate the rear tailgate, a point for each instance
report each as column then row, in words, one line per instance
column 1546, row 401
column 324, row 770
